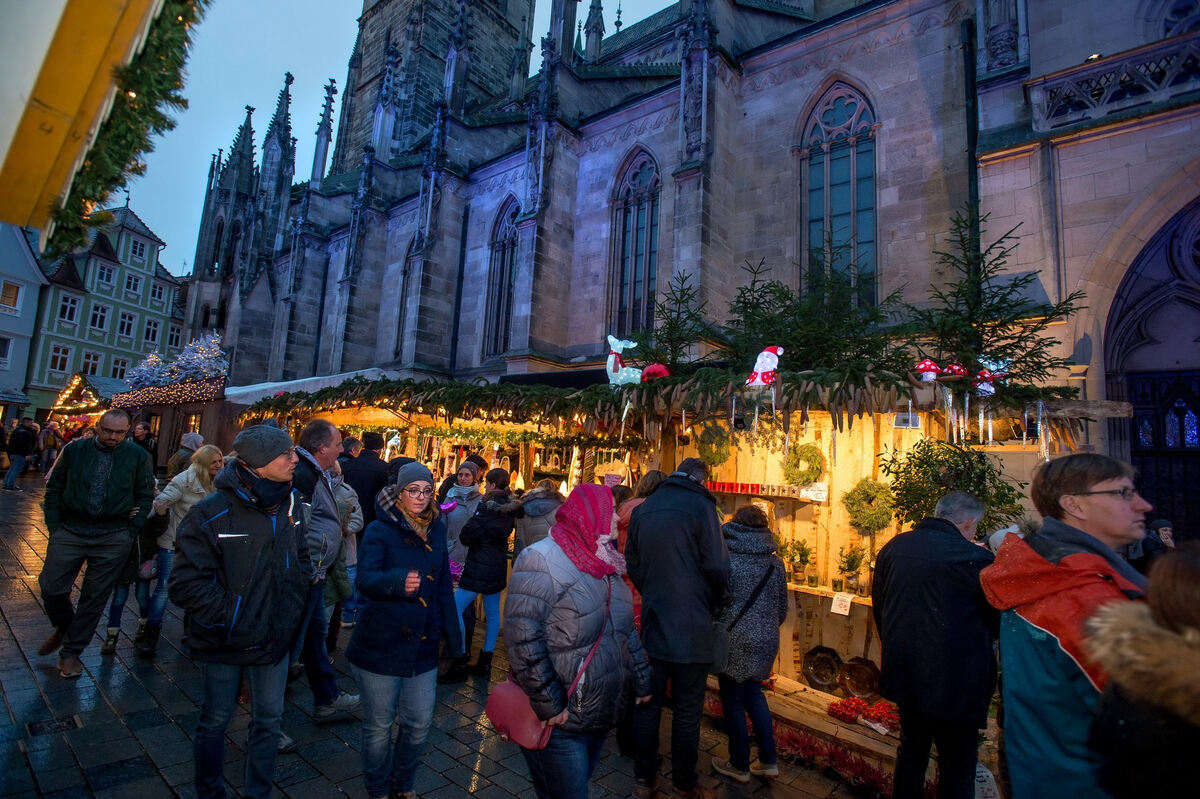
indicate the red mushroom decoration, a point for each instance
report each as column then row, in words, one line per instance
column 955, row 369
column 928, row 370
column 654, row 371
column 984, row 386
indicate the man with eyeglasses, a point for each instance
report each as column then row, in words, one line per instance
column 1047, row 585
column 97, row 499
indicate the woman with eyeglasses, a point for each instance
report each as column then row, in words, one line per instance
column 404, row 574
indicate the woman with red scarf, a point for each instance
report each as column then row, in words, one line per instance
column 569, row 611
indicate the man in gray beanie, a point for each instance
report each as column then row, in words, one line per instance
column 242, row 574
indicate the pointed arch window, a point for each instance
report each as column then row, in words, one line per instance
column 406, row 274
column 635, row 226
column 837, row 170
column 215, row 262
column 501, row 279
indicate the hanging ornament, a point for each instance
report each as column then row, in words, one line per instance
column 964, row 431
column 981, row 424
column 618, row 373
column 928, row 370
column 949, row 416
column 989, row 422
column 1043, row 447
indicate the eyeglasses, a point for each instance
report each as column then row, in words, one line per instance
column 417, row 493
column 1126, row 494
column 108, row 431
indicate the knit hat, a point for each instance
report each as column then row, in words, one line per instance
column 192, row 441
column 413, row 472
column 470, row 466
column 259, row 445
column 372, row 441
column 1155, row 525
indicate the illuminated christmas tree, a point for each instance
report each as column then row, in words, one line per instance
column 153, row 371
column 200, row 359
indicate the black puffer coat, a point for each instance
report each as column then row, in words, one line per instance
column 241, row 574
column 754, row 642
column 486, row 537
column 553, row 616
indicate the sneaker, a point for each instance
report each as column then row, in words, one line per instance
column 141, row 631
column 110, row 641
column 344, row 703
column 731, row 771
column 70, row 667
column 347, row 622
column 286, row 744
column 51, row 644
column 764, row 769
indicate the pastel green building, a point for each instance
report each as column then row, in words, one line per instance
column 105, row 310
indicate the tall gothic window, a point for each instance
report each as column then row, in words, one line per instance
column 635, row 224
column 838, row 193
column 406, row 284
column 501, row 276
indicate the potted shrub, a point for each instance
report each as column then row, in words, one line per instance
column 850, row 562
column 798, row 555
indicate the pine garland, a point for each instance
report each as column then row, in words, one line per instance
column 148, row 90
column 804, row 465
column 871, row 505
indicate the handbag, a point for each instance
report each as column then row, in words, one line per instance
column 509, row 709
column 720, row 632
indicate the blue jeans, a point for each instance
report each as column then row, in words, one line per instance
column 563, row 768
column 408, row 702
column 738, row 699
column 15, row 469
column 351, row 605
column 151, row 607
column 491, row 609
column 317, row 667
column 221, row 683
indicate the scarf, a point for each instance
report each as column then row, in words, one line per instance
column 390, row 501
column 583, row 530
column 270, row 494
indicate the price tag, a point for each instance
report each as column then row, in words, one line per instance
column 611, row 480
column 841, row 603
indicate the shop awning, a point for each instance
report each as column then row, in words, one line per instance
column 248, row 395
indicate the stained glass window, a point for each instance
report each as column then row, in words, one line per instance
column 1145, row 434
column 1190, row 436
column 1171, row 430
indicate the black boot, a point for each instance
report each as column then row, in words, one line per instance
column 458, row 672
column 483, row 666
column 149, row 643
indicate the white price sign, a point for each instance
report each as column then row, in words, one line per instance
column 841, row 603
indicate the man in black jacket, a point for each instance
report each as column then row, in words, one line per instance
column 678, row 561
column 366, row 473
column 937, row 631
column 22, row 443
column 241, row 574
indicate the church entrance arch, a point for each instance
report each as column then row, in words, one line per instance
column 1152, row 360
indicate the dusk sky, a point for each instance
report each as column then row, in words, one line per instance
column 240, row 53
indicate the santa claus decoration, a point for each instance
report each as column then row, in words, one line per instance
column 765, row 368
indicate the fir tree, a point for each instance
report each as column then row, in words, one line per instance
column 153, row 371
column 200, row 359
column 678, row 326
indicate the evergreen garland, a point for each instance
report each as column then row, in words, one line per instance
column 713, row 445
column 871, row 505
column 804, row 465
column 148, row 90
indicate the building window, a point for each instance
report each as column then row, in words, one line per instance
column 174, row 335
column 119, row 367
column 5, row 351
column 133, row 284
column 138, row 249
column 157, row 292
column 99, row 317
column 838, row 194
column 152, row 326
column 501, row 279
column 68, row 309
column 105, row 274
column 126, row 324
column 635, row 225
column 60, row 357
column 10, row 298
column 91, row 363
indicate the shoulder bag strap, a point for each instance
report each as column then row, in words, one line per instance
column 595, row 646
column 753, row 596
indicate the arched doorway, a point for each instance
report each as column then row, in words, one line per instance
column 1152, row 359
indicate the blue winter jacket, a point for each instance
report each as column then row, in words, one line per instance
column 398, row 634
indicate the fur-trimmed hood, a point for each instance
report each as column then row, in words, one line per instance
column 1150, row 663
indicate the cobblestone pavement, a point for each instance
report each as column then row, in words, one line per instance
column 135, row 718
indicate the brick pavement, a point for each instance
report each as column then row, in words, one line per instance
column 136, row 717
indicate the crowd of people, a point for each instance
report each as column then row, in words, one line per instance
column 619, row 601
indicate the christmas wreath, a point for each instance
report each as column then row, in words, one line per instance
column 871, row 505
column 804, row 464
column 713, row 445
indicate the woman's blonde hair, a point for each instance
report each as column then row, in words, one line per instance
column 203, row 458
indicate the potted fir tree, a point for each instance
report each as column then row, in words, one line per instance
column 850, row 563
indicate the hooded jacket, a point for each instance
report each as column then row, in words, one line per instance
column 397, row 633
column 467, row 499
column 324, row 524
column 936, row 628
column 241, row 574
column 485, row 536
column 1148, row 722
column 678, row 561
column 754, row 642
column 534, row 513
column 553, row 615
column 1047, row 586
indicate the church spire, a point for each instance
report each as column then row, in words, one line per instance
column 324, row 134
column 238, row 172
column 454, row 86
column 243, row 142
column 594, row 28
column 281, row 123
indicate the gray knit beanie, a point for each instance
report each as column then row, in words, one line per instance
column 412, row 473
column 259, row 445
